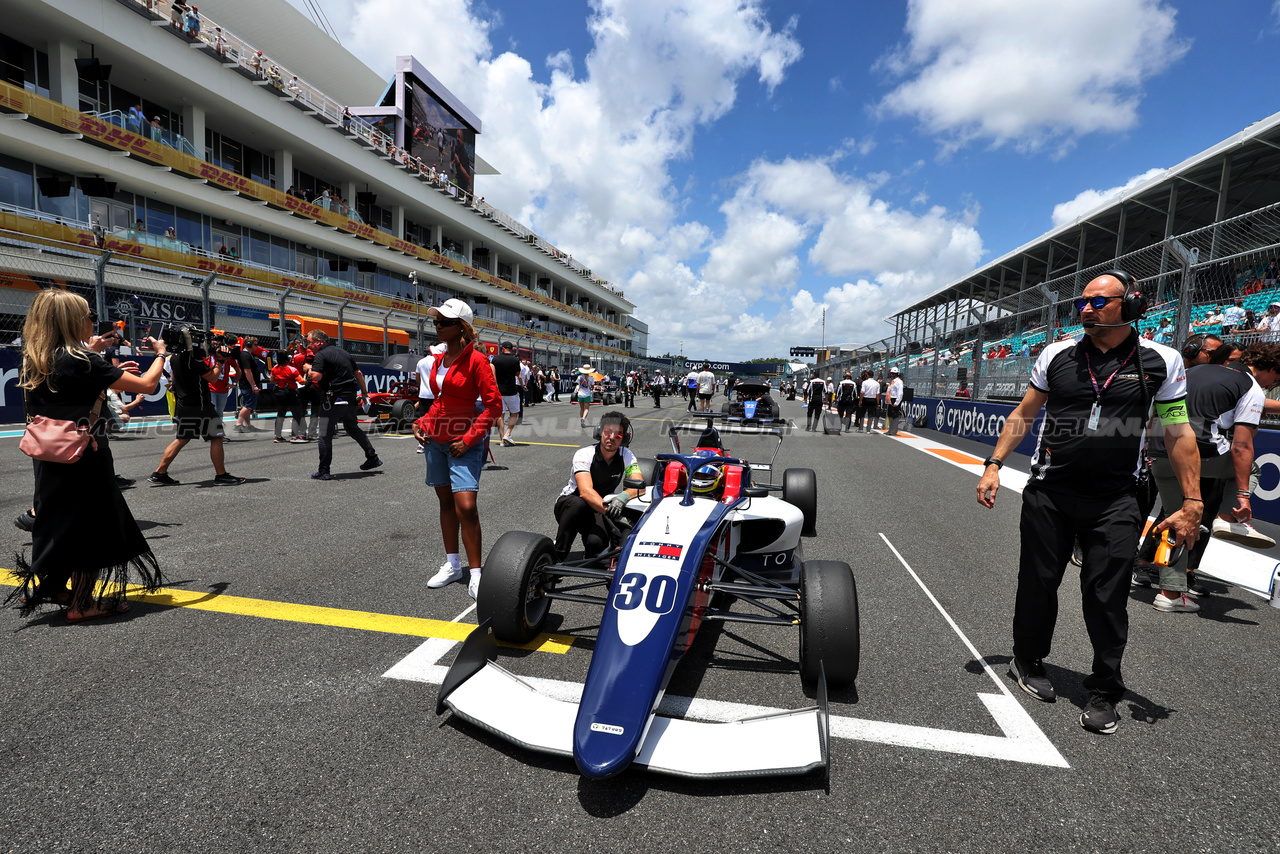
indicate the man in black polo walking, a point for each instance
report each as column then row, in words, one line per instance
column 1097, row 394
column 335, row 372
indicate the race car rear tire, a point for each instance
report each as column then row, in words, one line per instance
column 725, row 407
column 800, row 490
column 404, row 414
column 648, row 470
column 511, row 586
column 829, row 633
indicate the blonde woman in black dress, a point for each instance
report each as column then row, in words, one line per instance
column 85, row 542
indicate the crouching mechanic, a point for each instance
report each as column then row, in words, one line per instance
column 595, row 489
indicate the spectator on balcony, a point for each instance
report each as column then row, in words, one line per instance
column 1271, row 321
column 1233, row 317
column 219, row 41
column 136, row 118
column 275, row 77
column 346, row 118
column 138, row 226
column 256, row 62
column 193, row 22
column 177, row 14
column 295, row 88
column 170, row 233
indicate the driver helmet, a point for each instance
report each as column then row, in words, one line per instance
column 706, row 479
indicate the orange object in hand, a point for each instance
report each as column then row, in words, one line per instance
column 1164, row 549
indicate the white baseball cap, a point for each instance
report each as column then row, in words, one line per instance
column 894, row 371
column 454, row 309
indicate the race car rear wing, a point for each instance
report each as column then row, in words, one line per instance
column 781, row 743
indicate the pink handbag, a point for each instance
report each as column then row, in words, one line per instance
column 52, row 440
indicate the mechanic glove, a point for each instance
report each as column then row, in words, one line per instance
column 615, row 504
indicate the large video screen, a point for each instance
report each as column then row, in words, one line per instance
column 439, row 137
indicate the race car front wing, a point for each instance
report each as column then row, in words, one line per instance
column 484, row 693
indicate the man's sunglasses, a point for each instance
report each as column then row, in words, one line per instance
column 1096, row 302
column 442, row 323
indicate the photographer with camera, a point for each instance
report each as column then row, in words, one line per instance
column 194, row 415
column 335, row 372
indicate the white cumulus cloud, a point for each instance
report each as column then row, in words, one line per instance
column 1089, row 199
column 1029, row 72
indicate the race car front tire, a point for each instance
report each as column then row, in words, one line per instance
column 800, row 490
column 829, row 633
column 511, row 586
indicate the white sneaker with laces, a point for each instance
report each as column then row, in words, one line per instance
column 1242, row 533
column 447, row 575
column 1181, row 603
column 473, row 586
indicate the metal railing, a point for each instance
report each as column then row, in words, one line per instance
column 131, row 123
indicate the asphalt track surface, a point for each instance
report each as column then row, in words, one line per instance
column 260, row 727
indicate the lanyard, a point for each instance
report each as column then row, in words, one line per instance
column 1097, row 392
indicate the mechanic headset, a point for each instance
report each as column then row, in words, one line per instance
column 1193, row 347
column 627, row 432
column 1134, row 304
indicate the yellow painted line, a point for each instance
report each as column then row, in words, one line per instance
column 544, row 444
column 316, row 615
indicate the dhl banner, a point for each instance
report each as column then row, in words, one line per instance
column 48, row 112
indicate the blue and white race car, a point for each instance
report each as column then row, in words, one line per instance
column 693, row 554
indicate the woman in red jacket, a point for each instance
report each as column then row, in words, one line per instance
column 453, row 432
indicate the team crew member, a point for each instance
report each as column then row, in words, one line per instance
column 507, row 370
column 309, row 394
column 1224, row 405
column 194, row 416
column 595, row 488
column 248, row 355
column 629, row 390
column 690, row 388
column 893, row 397
column 286, row 378
column 868, row 396
column 815, row 392
column 846, row 400
column 454, row 432
column 335, row 372
column 1096, row 394
column 655, row 386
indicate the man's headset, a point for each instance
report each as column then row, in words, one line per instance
column 626, row 427
column 1132, row 305
column 1193, row 347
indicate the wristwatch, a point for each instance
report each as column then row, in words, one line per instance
column 992, row 461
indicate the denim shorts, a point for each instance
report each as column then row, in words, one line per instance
column 461, row 474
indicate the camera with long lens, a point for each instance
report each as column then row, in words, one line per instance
column 181, row 339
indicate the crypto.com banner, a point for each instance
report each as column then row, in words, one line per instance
column 983, row 422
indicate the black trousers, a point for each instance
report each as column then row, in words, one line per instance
column 1107, row 528
column 814, row 415
column 629, row 398
column 574, row 517
column 866, row 410
column 657, row 398
column 846, row 409
column 344, row 414
column 290, row 402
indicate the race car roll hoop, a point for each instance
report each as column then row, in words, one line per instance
column 704, row 537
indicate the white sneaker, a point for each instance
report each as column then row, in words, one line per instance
column 420, row 449
column 447, row 575
column 1242, row 533
column 1181, row 603
column 473, row 586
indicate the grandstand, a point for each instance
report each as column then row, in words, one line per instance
column 145, row 152
column 1198, row 237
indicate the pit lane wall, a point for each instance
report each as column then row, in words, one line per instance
column 983, row 422
column 11, row 411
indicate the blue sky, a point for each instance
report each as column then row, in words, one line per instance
column 738, row 165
